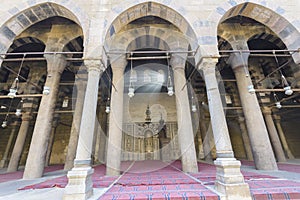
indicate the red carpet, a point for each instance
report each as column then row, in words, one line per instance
column 158, row 180
column 99, row 180
column 19, row 174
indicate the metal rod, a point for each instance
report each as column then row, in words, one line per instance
column 12, row 71
column 275, row 90
column 147, row 52
column 38, row 59
column 148, row 58
column 40, row 53
column 277, row 69
column 21, row 96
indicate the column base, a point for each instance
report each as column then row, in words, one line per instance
column 80, row 184
column 229, row 179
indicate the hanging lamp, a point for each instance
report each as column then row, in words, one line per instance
column 287, row 88
column 131, row 88
column 169, row 81
column 15, row 85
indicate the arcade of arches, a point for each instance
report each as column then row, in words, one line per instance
column 149, row 86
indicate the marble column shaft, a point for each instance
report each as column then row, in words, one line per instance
column 38, row 147
column 261, row 147
column 218, row 120
column 19, row 144
column 245, row 138
column 274, row 135
column 74, row 134
column 114, row 145
column 283, row 139
column 4, row 161
column 87, row 126
column 80, row 184
column 51, row 142
column 184, row 119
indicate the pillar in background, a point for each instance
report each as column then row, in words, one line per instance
column 20, row 142
column 245, row 138
column 4, row 161
column 40, row 139
column 80, row 84
column 114, row 143
column 184, row 119
column 263, row 155
column 274, row 135
column 282, row 138
column 51, row 139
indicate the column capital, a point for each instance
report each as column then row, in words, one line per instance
column 27, row 116
column 267, row 110
column 56, row 63
column 208, row 65
column 94, row 65
column 277, row 117
column 178, row 60
column 237, row 60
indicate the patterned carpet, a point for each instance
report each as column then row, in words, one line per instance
column 158, row 180
column 19, row 174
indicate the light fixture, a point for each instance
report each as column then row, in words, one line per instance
column 194, row 108
column 251, row 89
column 4, row 123
column 287, row 88
column 278, row 105
column 46, row 90
column 18, row 112
column 107, row 108
column 14, row 89
column 277, row 102
column 131, row 89
column 169, row 81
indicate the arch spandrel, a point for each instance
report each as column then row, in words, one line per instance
column 124, row 39
column 23, row 19
column 273, row 19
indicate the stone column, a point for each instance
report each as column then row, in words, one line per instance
column 274, row 135
column 80, row 185
column 116, row 119
column 282, row 138
column 51, row 140
column 245, row 137
column 4, row 161
column 261, row 147
column 218, row 120
column 184, row 119
column 38, row 147
column 206, row 138
column 19, row 144
column 229, row 179
column 73, row 140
